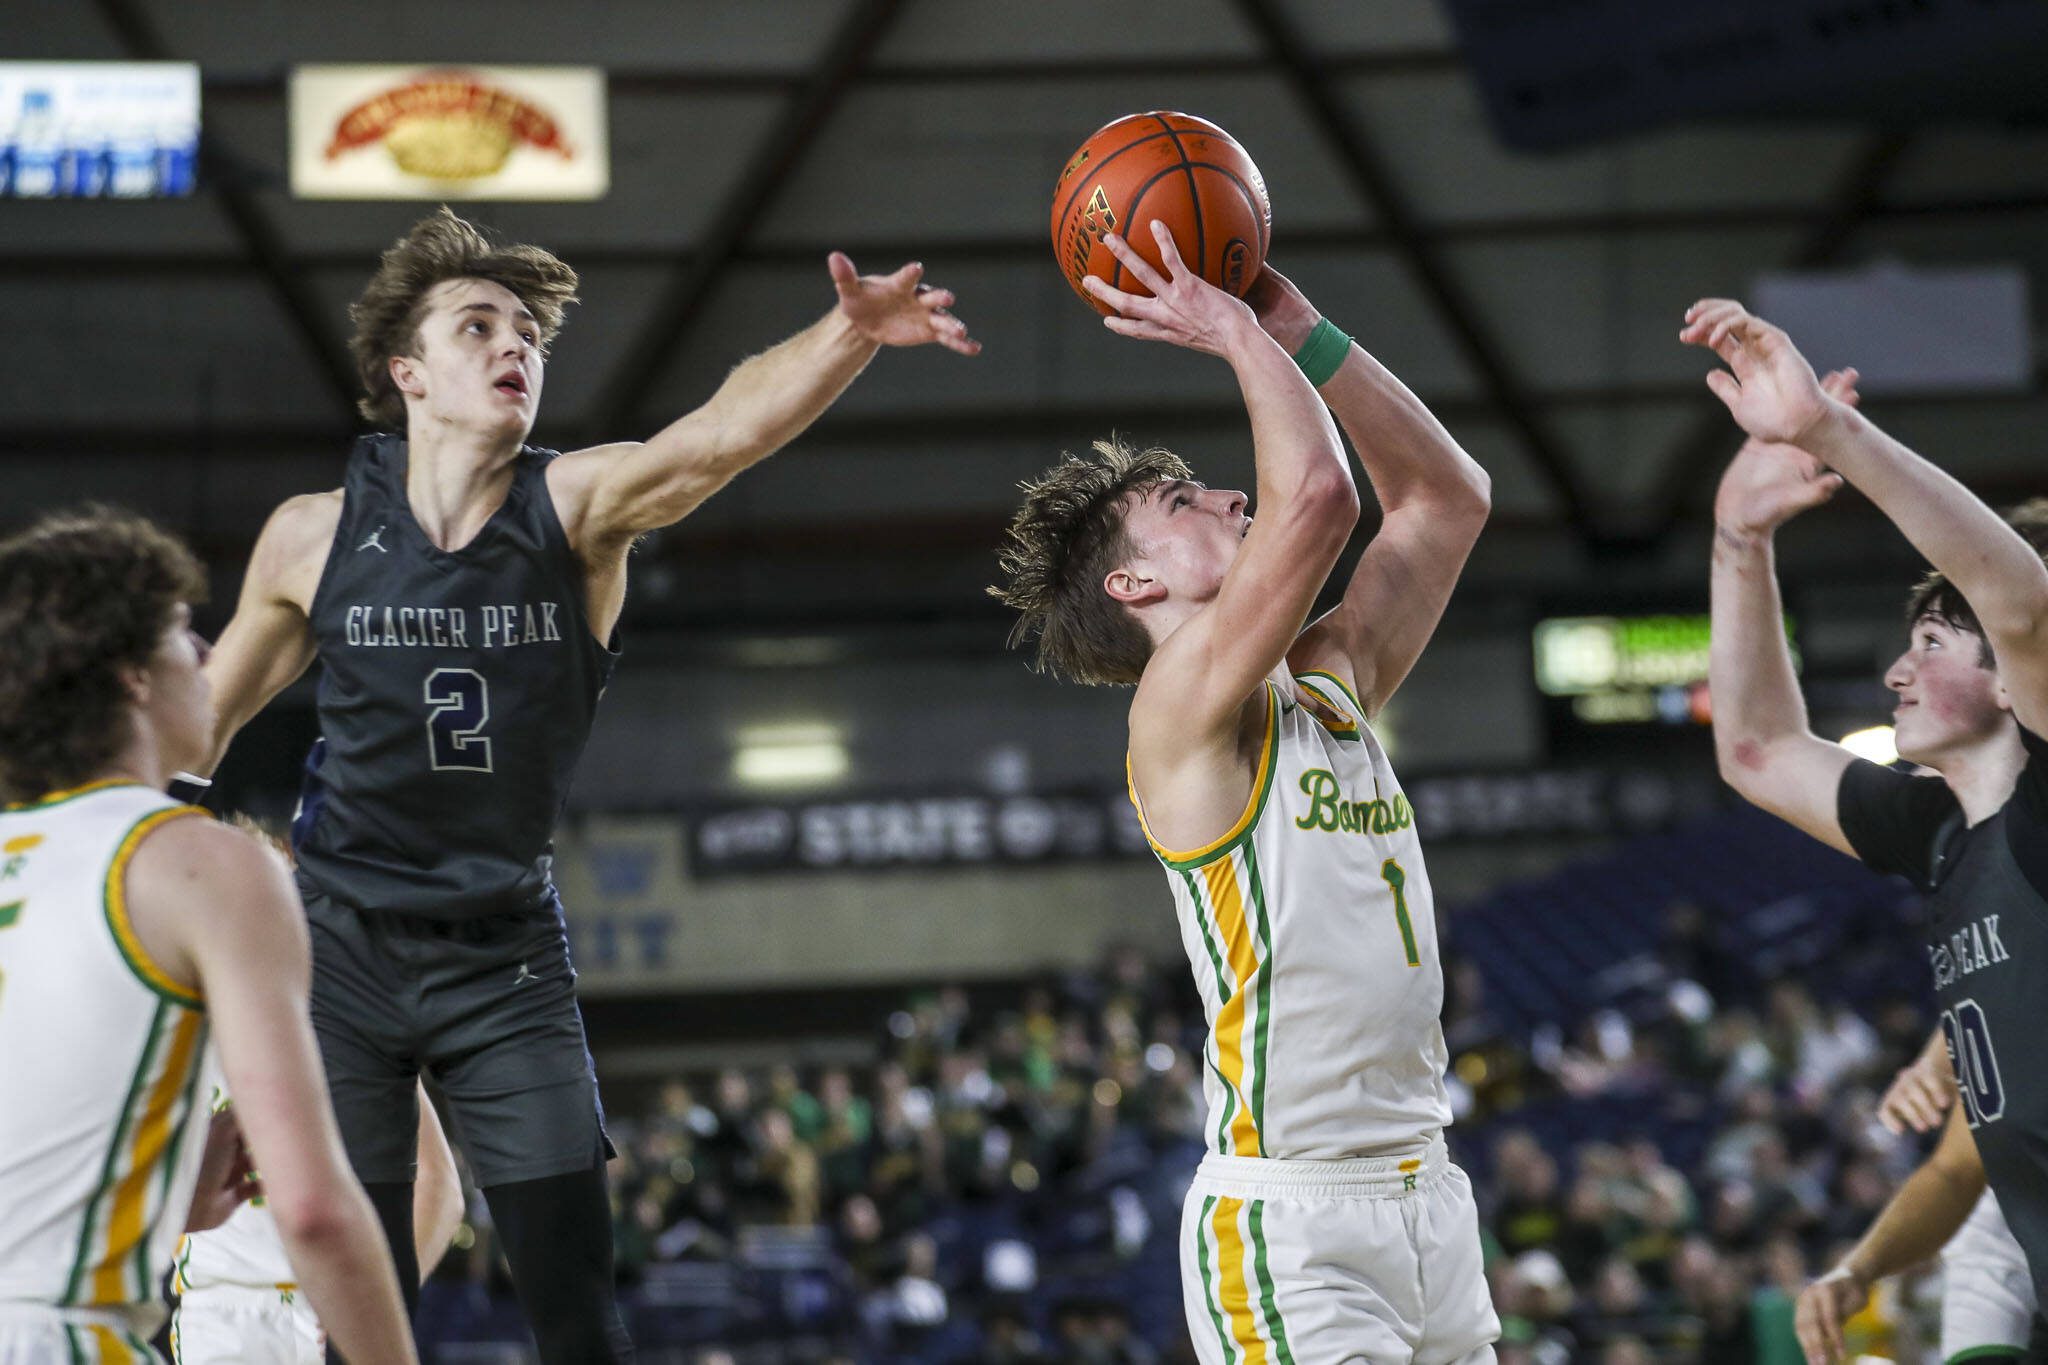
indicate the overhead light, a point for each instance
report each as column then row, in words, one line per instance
column 1876, row 743
column 789, row 755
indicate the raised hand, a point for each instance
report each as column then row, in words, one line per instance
column 898, row 310
column 1770, row 482
column 1184, row 309
column 1823, row 1307
column 1768, row 385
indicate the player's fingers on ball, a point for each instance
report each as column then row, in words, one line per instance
column 1109, row 293
column 1169, row 250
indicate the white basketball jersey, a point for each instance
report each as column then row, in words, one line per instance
column 1312, row 933
column 245, row 1252
column 100, row 1130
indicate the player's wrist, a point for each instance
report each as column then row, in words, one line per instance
column 1322, row 354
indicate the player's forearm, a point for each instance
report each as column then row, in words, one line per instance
column 342, row 1262
column 1749, row 665
column 1299, row 457
column 1994, row 568
column 1409, row 458
column 767, row 401
column 1917, row 1223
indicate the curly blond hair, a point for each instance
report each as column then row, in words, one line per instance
column 1066, row 538
column 439, row 248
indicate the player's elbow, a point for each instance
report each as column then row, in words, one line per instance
column 1329, row 503
column 313, row 1218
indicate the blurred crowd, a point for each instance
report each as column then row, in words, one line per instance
column 1002, row 1185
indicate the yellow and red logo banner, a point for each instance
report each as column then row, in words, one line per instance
column 449, row 132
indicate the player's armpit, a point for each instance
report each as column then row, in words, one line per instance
column 1395, row 599
column 269, row 642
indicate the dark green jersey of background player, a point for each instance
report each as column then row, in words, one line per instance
column 457, row 691
column 1987, row 942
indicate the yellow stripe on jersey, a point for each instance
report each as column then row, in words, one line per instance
column 1350, row 694
column 128, row 1225
column 1233, row 1292
column 1347, row 726
column 1262, row 784
column 146, row 968
column 110, row 1349
column 1227, row 904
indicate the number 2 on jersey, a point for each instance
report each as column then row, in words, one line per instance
column 459, row 704
column 1397, row 881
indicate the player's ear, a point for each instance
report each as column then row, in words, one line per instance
column 405, row 375
column 1131, row 587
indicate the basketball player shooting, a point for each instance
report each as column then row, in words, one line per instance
column 1972, row 690
column 1326, row 1221
column 462, row 591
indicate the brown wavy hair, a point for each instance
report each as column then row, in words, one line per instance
column 1065, row 539
column 84, row 596
column 1934, row 596
column 440, row 248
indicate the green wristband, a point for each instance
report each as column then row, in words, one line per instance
column 1323, row 352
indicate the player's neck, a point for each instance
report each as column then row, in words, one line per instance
column 1982, row 775
column 455, row 479
column 141, row 761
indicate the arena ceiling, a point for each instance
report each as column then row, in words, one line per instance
column 189, row 355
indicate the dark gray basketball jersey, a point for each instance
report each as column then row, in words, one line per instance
column 1987, row 933
column 457, row 691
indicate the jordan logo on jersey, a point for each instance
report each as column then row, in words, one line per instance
column 375, row 541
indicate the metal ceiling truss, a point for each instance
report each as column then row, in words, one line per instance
column 227, row 182
column 761, row 182
column 1360, row 156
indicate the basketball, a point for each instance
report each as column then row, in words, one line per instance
column 1184, row 171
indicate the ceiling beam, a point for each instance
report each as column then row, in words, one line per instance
column 105, row 263
column 1357, row 151
column 936, row 428
column 761, row 182
column 227, row 181
column 1699, row 452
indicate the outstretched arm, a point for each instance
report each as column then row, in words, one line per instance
column 1917, row 1223
column 1766, row 749
column 1433, row 497
column 1773, row 393
column 609, row 494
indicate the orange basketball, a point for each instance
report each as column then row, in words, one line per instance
column 1184, row 171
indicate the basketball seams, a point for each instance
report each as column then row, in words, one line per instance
column 1194, row 196
column 1072, row 236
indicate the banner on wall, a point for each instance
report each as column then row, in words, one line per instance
column 449, row 132
column 977, row 830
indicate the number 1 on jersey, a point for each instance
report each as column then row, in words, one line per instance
column 1397, row 881
column 459, row 703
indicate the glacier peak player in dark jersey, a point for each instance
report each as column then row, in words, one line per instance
column 1972, row 689
column 462, row 592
